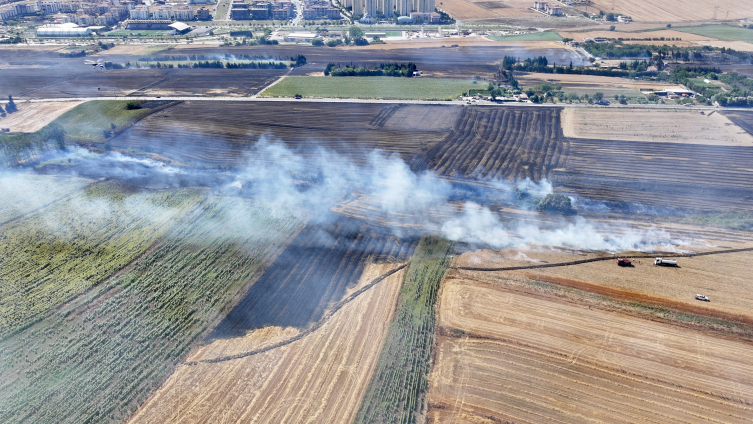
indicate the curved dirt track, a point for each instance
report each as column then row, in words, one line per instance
column 305, row 333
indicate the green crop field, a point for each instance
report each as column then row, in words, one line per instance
column 98, row 357
column 536, row 36
column 49, row 257
column 23, row 193
column 721, row 32
column 372, row 88
column 88, row 121
column 398, row 386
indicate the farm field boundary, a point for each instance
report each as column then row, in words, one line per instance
column 371, row 88
column 305, row 333
column 397, row 388
column 325, row 373
column 606, row 258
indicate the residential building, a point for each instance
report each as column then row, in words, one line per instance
column 107, row 19
column 86, row 20
column 184, row 13
column 139, row 12
column 163, row 12
column 202, row 14
column 7, row 13
column 50, row 7
column 23, row 9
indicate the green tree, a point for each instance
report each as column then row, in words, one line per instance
column 11, row 106
column 355, row 32
column 556, row 203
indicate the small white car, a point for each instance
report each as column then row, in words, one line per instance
column 702, row 298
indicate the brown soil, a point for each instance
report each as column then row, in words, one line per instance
column 506, row 356
column 320, row 378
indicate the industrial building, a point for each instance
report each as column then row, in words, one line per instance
column 63, row 30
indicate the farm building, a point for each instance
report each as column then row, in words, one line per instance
column 63, row 30
column 301, row 36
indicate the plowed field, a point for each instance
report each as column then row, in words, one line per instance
column 320, row 378
column 507, row 356
column 501, row 143
column 671, row 175
column 227, row 130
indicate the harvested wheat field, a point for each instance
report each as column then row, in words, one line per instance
column 677, row 10
column 321, row 377
column 667, row 126
column 31, row 117
column 590, row 82
column 510, row 356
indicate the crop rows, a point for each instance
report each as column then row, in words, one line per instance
column 396, row 391
column 99, row 357
column 668, row 174
column 501, row 143
column 525, row 357
column 49, row 257
column 226, row 131
column 311, row 274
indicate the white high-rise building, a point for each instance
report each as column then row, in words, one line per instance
column 388, row 8
column 371, row 7
column 404, row 7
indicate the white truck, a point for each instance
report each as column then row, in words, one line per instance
column 665, row 262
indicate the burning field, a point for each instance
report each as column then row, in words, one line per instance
column 213, row 261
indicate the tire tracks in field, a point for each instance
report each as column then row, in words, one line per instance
column 305, row 333
column 606, row 258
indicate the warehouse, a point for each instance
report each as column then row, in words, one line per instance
column 64, row 30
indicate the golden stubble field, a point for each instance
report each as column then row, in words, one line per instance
column 677, row 10
column 503, row 355
column 319, row 378
column 31, row 117
column 666, row 126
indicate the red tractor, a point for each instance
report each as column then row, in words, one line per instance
column 624, row 262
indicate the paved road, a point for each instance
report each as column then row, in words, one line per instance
column 418, row 102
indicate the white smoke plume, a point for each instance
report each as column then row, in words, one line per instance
column 317, row 180
column 275, row 174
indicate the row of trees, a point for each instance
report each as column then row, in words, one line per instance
column 382, row 69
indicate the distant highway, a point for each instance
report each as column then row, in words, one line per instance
column 334, row 100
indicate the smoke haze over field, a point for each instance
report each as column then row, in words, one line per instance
column 318, row 180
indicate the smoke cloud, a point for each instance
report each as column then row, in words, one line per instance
column 317, row 182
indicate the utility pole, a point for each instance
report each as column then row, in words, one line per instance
column 715, row 9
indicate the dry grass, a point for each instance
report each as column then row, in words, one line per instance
column 677, row 10
column 588, row 82
column 509, row 356
column 31, row 117
column 320, row 378
column 667, row 126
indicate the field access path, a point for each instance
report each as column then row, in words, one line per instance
column 254, row 98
